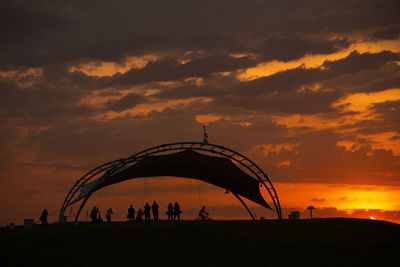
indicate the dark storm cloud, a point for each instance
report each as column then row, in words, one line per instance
column 306, row 102
column 21, row 21
column 120, row 137
column 40, row 102
column 171, row 69
column 291, row 48
column 51, row 92
column 386, row 119
column 388, row 33
column 97, row 141
column 387, row 81
column 378, row 79
column 190, row 90
column 126, row 102
column 344, row 16
column 290, row 91
column 58, row 34
column 77, row 31
column 356, row 62
column 213, row 86
column 293, row 79
column 387, row 112
column 60, row 76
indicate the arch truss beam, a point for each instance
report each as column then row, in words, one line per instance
column 107, row 169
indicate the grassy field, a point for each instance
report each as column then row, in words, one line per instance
column 317, row 242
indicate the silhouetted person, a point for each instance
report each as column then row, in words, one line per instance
column 170, row 211
column 99, row 220
column 108, row 215
column 131, row 214
column 154, row 208
column 146, row 212
column 93, row 214
column 203, row 213
column 177, row 211
column 43, row 217
column 139, row 215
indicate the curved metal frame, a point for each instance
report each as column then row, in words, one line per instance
column 113, row 166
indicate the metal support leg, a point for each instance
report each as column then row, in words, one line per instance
column 81, row 207
column 244, row 204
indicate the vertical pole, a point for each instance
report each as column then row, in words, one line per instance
column 205, row 135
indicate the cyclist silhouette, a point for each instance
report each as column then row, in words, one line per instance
column 203, row 214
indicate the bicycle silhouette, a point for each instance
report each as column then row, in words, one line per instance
column 205, row 217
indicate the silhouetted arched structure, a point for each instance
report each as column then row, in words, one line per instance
column 221, row 166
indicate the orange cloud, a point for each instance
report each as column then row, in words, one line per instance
column 277, row 148
column 206, row 118
column 285, row 163
column 109, row 68
column 143, row 109
column 361, row 101
column 313, row 61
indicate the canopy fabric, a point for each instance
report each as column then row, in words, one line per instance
column 218, row 171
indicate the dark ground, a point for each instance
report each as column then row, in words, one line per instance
column 320, row 242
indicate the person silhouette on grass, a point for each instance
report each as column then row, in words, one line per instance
column 108, row 215
column 131, row 214
column 43, row 218
column 139, row 215
column 170, row 211
column 154, row 208
column 93, row 214
column 147, row 212
column 177, row 211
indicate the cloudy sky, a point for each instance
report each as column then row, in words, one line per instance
column 310, row 90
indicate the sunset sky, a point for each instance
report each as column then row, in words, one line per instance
column 309, row 90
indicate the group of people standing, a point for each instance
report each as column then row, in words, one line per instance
column 173, row 212
column 145, row 212
column 95, row 215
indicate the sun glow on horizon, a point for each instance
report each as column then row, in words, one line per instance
column 341, row 196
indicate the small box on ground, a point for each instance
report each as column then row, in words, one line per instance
column 11, row 226
column 294, row 215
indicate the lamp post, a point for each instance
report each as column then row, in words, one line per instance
column 310, row 208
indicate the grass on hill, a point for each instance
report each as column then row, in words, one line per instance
column 317, row 242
